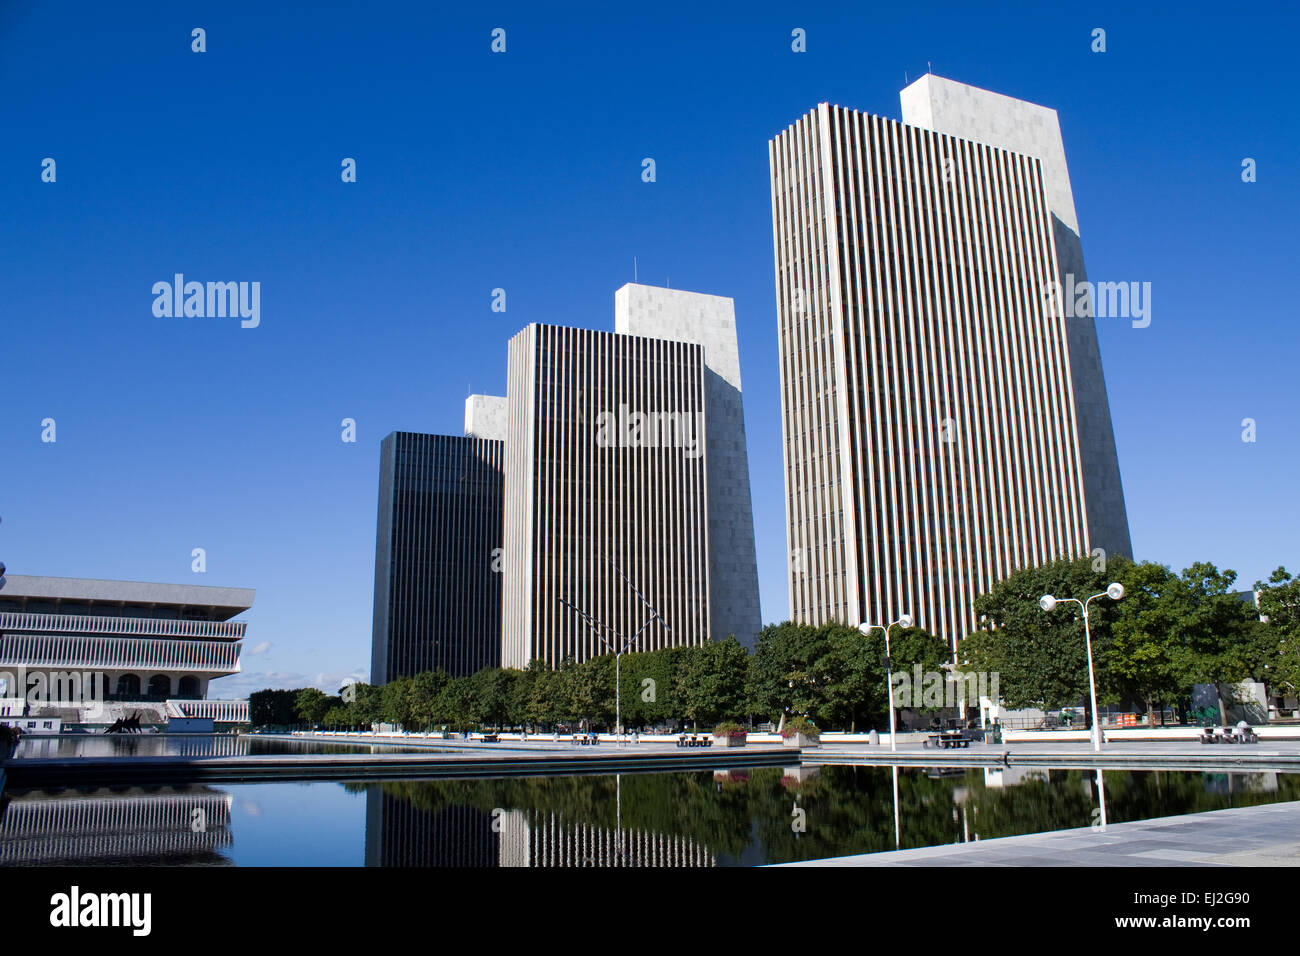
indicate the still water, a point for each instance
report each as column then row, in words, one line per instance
column 195, row 745
column 699, row 818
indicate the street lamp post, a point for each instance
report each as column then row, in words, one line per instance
column 617, row 648
column 1048, row 603
column 865, row 629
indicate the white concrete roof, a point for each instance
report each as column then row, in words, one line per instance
column 86, row 590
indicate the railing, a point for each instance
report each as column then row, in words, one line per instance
column 118, row 653
column 143, row 626
column 225, row 711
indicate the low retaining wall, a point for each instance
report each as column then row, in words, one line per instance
column 32, row 773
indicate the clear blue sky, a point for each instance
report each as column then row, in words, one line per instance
column 522, row 171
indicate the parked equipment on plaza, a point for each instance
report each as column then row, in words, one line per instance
column 1243, row 733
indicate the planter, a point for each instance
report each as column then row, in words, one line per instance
column 801, row 740
column 726, row 740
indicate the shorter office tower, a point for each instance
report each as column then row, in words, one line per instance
column 89, row 651
column 438, row 553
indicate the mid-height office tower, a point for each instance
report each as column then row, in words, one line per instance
column 944, row 424
column 625, row 471
column 605, row 478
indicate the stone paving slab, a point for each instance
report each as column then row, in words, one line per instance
column 1283, row 755
column 1242, row 836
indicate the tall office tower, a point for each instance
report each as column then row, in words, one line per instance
column 437, row 555
column 971, row 113
column 605, row 477
column 710, row 321
column 932, row 440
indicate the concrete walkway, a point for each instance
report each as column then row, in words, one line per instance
column 1283, row 755
column 1244, row 836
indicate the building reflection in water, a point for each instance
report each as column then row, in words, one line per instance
column 160, row 826
column 131, row 745
column 401, row 834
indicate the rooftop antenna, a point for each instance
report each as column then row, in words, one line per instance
column 928, row 67
column 634, row 269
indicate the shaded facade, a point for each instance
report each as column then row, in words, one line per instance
column 437, row 556
column 710, row 321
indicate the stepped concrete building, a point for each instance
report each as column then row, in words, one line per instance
column 74, row 645
column 944, row 425
column 438, row 551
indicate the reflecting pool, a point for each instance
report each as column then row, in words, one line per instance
column 196, row 745
column 699, row 818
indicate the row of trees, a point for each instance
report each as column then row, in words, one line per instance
column 831, row 674
column 1170, row 632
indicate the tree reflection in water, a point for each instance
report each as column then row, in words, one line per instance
column 749, row 816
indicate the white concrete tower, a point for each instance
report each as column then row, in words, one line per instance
column 931, row 434
column 946, row 106
column 710, row 321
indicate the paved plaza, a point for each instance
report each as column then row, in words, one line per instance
column 1244, row 836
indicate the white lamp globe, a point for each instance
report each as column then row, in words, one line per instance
column 905, row 620
column 1047, row 602
column 864, row 628
column 1115, row 591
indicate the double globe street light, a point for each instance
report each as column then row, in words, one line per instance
column 904, row 622
column 1048, row 603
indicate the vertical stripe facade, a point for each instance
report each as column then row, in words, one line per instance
column 437, row 562
column 582, row 490
column 930, row 439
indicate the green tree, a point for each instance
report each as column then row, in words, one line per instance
column 539, row 691
column 425, row 689
column 711, row 682
column 648, row 688
column 338, row 715
column 1279, row 604
column 311, row 705
column 267, row 707
column 491, row 695
column 1144, row 658
column 783, row 668
column 396, row 702
column 457, row 706
column 1212, row 629
column 1040, row 657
